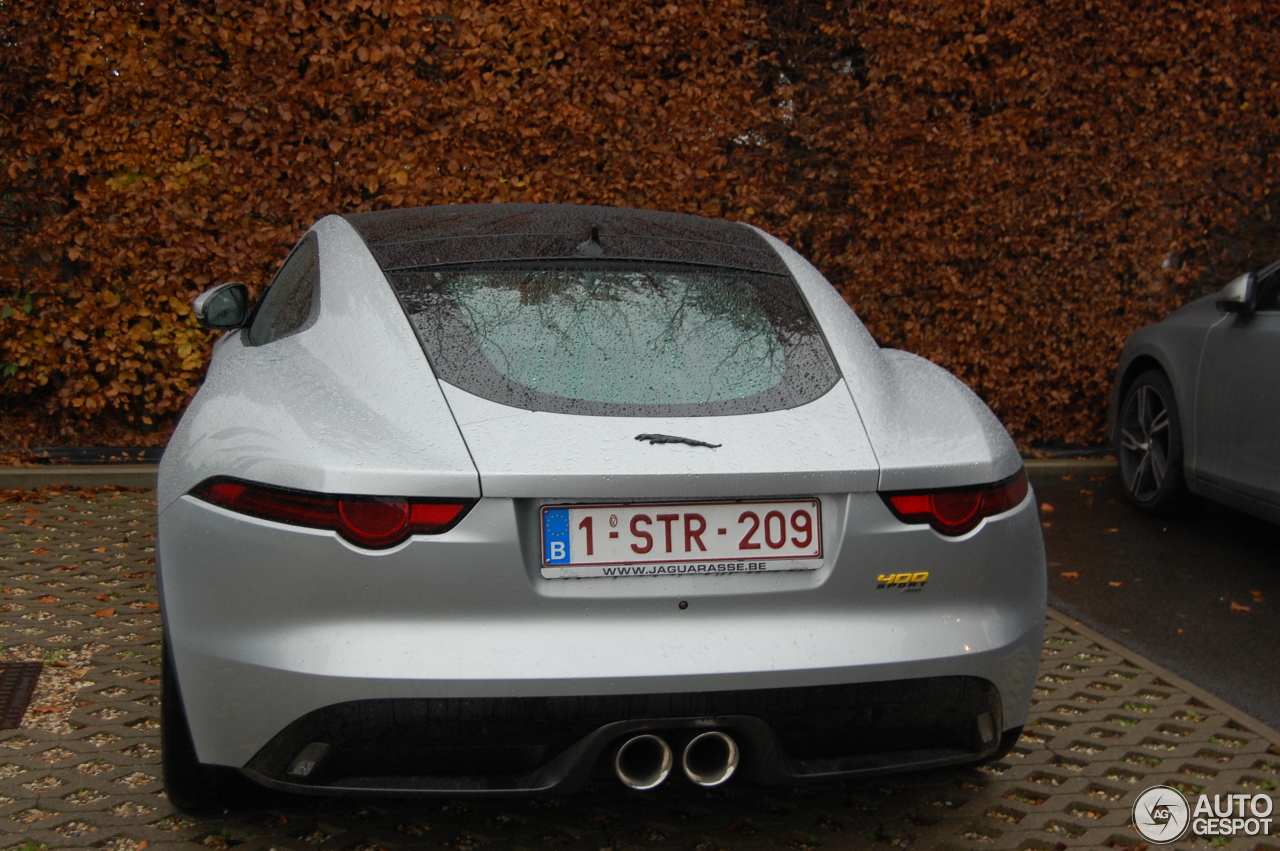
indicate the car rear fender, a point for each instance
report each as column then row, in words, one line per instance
column 927, row 429
column 1173, row 345
column 349, row 405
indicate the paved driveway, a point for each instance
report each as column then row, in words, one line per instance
column 83, row 770
column 1200, row 595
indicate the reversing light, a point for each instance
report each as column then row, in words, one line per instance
column 955, row 511
column 368, row 521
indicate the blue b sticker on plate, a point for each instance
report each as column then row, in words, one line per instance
column 555, row 536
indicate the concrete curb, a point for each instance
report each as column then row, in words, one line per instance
column 81, row 476
column 1066, row 466
column 1243, row 719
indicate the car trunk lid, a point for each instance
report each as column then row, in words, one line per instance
column 815, row 448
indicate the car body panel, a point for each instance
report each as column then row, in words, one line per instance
column 267, row 622
column 464, row 614
column 1237, row 417
column 815, row 448
column 448, row 235
column 926, row 427
column 1220, row 367
column 1174, row 345
column 349, row 405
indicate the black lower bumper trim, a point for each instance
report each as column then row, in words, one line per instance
column 538, row 745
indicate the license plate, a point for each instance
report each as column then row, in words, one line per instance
column 704, row 538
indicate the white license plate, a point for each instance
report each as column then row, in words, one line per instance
column 666, row 539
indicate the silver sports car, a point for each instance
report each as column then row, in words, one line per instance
column 1195, row 409
column 495, row 499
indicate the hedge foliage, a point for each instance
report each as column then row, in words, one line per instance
column 1007, row 187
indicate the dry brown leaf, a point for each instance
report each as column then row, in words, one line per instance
column 1004, row 207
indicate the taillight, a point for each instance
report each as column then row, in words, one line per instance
column 373, row 522
column 955, row 511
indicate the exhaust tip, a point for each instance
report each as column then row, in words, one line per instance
column 643, row 762
column 711, row 758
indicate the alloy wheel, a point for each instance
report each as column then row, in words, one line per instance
column 1144, row 442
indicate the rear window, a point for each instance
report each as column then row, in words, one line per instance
column 620, row 341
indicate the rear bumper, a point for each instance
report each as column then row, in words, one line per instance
column 509, row 746
column 268, row 625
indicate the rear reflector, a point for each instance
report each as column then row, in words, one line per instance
column 955, row 511
column 372, row 522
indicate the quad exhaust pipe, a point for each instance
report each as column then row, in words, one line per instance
column 644, row 762
column 710, row 758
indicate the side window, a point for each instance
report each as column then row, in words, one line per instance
column 292, row 301
column 1268, row 285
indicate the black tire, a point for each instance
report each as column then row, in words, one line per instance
column 1150, row 447
column 190, row 785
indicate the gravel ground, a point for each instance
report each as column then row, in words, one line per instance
column 83, row 771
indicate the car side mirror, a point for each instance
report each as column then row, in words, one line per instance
column 224, row 307
column 1238, row 296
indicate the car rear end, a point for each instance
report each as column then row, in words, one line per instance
column 681, row 560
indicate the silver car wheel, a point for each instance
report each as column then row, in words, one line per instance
column 1144, row 442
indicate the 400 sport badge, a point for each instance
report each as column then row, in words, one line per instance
column 902, row 581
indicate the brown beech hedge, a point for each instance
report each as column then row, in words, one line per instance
column 1008, row 187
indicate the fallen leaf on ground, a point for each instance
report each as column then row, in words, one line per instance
column 47, row 598
column 1070, row 574
column 1048, row 524
column 1068, row 477
column 1115, row 584
column 1046, row 507
column 1181, row 631
column 1113, row 529
column 1236, row 607
column 1097, row 478
column 105, row 613
column 1257, row 596
column 41, row 551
